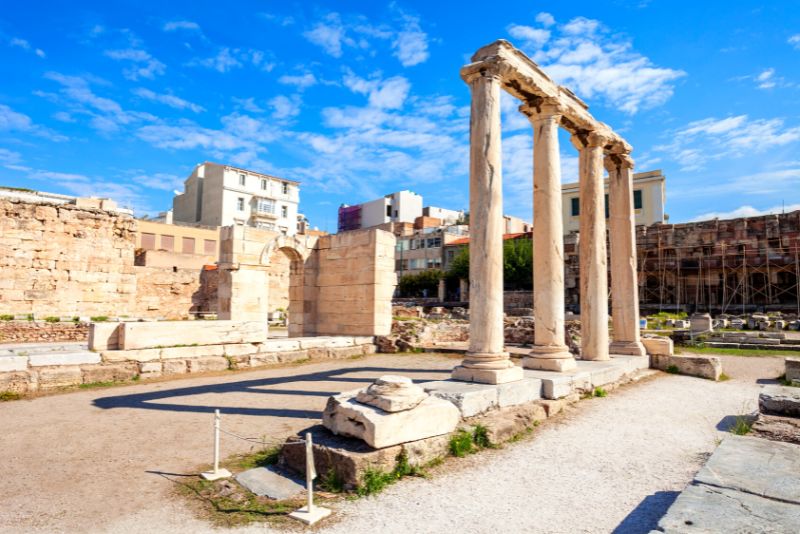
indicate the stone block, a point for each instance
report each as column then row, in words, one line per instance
column 141, row 355
column 487, row 376
column 519, row 392
column 279, row 345
column 104, row 336
column 141, row 335
column 780, row 400
column 344, row 352
column 63, row 358
column 208, row 364
column 240, row 349
column 175, row 367
column 552, row 406
column 327, row 342
column 289, row 357
column 363, row 340
column 343, row 415
column 369, row 349
column 13, row 363
column 199, row 351
column 150, row 369
column 257, row 360
column 792, row 366
column 709, row 367
column 502, row 425
column 658, row 346
column 18, row 382
column 117, row 372
column 268, row 482
column 58, row 377
column 470, row 399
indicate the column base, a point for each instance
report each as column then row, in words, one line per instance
column 627, row 348
column 488, row 376
column 551, row 352
column 550, row 364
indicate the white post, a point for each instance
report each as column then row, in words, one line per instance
column 310, row 514
column 217, row 473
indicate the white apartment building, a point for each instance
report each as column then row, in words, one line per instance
column 222, row 195
column 649, row 197
column 448, row 217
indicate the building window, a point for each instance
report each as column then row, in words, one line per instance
column 285, row 188
column 149, row 241
column 395, row 214
column 284, row 212
column 188, row 245
column 210, row 247
column 264, row 185
column 605, row 200
column 576, row 207
column 434, row 242
column 240, row 204
column 389, row 211
column 266, row 206
column 637, row 199
column 168, row 242
column 242, row 179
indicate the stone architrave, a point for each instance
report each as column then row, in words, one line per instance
column 549, row 351
column 486, row 361
column 593, row 263
column 622, row 233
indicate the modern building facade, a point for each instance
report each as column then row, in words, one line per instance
column 424, row 249
column 222, row 195
column 399, row 207
column 649, row 197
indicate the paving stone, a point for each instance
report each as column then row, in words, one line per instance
column 63, row 358
column 267, row 482
column 780, row 400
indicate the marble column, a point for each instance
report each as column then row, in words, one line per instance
column 622, row 233
column 549, row 350
column 486, row 360
column 592, row 248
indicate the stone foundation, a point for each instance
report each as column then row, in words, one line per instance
column 42, row 331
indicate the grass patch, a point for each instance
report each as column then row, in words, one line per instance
column 99, row 319
column 376, row 480
column 52, row 319
column 93, row 385
column 461, row 443
column 6, row 396
column 480, row 437
column 76, row 319
column 263, row 458
column 331, row 482
column 723, row 377
column 741, row 426
column 6, row 317
column 784, row 382
column 673, row 369
column 599, row 392
column 735, row 352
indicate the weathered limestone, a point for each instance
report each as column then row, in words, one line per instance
column 792, row 366
column 141, row 335
column 780, row 400
column 549, row 351
column 622, row 233
column 709, row 367
column 658, row 345
column 486, row 361
column 392, row 393
column 345, row 415
column 593, row 270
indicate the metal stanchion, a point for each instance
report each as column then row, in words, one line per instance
column 310, row 514
column 217, row 473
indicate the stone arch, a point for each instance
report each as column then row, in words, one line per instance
column 292, row 245
column 289, row 293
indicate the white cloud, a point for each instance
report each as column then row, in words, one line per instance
column 159, row 181
column 143, row 64
column 330, row 34
column 746, row 211
column 281, row 20
column 712, row 139
column 545, row 19
column 586, row 57
column 181, row 25
column 285, row 107
column 794, row 40
column 13, row 121
column 227, row 59
column 9, row 157
column 170, row 100
column 25, row 45
column 248, row 104
column 301, row 81
column 389, row 94
column 411, row 44
column 766, row 79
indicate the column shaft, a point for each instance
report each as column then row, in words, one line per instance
column 593, row 262
column 622, row 231
column 549, row 351
column 486, row 361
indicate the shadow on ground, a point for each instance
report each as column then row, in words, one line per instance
column 162, row 399
column 644, row 518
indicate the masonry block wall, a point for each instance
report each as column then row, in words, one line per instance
column 64, row 261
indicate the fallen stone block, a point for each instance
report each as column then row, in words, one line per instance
column 780, row 400
column 792, row 368
column 777, row 428
column 709, row 367
column 658, row 345
column 345, row 416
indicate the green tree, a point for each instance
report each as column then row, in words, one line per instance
column 517, row 264
column 418, row 285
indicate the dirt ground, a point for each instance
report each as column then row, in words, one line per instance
column 102, row 460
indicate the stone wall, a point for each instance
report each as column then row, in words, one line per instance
column 41, row 331
column 60, row 260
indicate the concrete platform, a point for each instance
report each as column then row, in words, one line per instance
column 748, row 485
column 587, row 376
column 473, row 399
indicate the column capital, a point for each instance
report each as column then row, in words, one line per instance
column 612, row 162
column 544, row 109
column 597, row 139
column 491, row 71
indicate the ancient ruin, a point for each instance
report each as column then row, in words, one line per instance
column 501, row 66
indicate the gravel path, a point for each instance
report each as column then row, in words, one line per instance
column 612, row 464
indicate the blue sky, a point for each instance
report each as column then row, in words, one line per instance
column 359, row 99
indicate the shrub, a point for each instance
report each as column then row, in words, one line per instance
column 600, row 392
column 52, row 319
column 99, row 319
column 480, row 437
column 742, row 425
column 6, row 317
column 461, row 443
column 423, row 284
